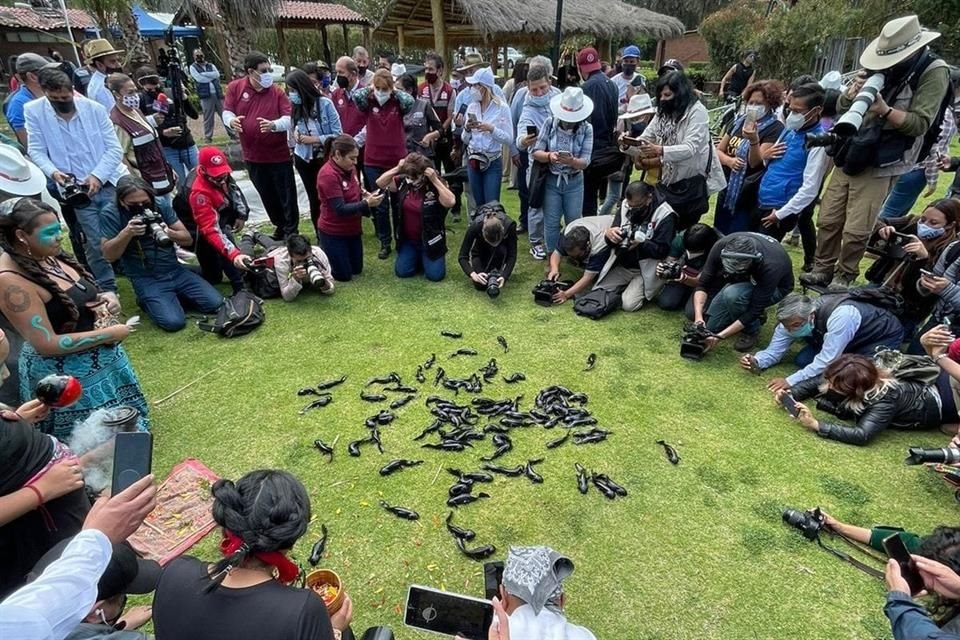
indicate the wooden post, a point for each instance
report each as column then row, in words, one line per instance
column 282, row 43
column 346, row 40
column 326, row 46
column 400, row 39
column 604, row 50
column 439, row 27
column 366, row 37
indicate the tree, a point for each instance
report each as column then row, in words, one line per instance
column 108, row 13
column 728, row 33
column 691, row 13
column 238, row 21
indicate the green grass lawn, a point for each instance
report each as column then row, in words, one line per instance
column 695, row 551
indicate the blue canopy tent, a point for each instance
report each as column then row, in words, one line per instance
column 153, row 25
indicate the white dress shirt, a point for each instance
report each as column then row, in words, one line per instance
column 53, row 605
column 813, row 172
column 498, row 114
column 97, row 91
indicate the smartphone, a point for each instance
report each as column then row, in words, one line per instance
column 492, row 577
column 925, row 272
column 132, row 459
column 631, row 141
column 564, row 154
column 447, row 614
column 472, row 118
column 899, row 239
column 463, row 110
column 755, row 366
column 790, row 404
column 531, row 130
column 897, row 550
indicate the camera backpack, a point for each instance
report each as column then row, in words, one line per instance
column 239, row 314
column 597, row 303
column 908, row 368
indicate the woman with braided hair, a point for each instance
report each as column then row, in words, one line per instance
column 248, row 595
column 55, row 305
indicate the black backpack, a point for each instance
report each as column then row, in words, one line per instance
column 239, row 314
column 597, row 303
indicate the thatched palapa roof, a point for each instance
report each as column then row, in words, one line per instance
column 473, row 22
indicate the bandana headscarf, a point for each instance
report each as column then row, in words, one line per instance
column 288, row 571
column 536, row 575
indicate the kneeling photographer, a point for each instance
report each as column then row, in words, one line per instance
column 584, row 242
column 830, row 325
column 640, row 237
column 141, row 236
column 744, row 274
column 489, row 249
column 681, row 270
column 287, row 267
column 855, row 388
column 891, row 118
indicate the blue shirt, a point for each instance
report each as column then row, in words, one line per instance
column 327, row 127
column 14, row 112
column 910, row 621
column 143, row 258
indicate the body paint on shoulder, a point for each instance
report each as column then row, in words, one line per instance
column 37, row 323
column 68, row 344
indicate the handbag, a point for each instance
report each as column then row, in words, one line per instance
column 689, row 197
column 539, row 171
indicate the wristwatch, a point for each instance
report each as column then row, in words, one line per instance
column 887, row 113
column 941, row 357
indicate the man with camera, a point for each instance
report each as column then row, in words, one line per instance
column 744, row 274
column 140, row 235
column 830, row 325
column 584, row 242
column 891, row 118
column 287, row 267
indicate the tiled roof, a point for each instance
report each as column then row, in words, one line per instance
column 318, row 11
column 47, row 21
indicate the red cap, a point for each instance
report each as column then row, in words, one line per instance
column 588, row 60
column 213, row 162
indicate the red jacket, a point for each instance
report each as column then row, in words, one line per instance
column 206, row 201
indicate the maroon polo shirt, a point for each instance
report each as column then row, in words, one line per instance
column 332, row 183
column 270, row 103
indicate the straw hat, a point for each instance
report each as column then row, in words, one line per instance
column 98, row 48
column 639, row 105
column 471, row 62
column 899, row 39
column 571, row 105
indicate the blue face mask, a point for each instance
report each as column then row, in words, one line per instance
column 294, row 98
column 804, row 331
column 926, row 232
column 539, row 101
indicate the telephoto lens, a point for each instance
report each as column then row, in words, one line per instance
column 493, row 284
column 919, row 455
column 850, row 122
column 314, row 275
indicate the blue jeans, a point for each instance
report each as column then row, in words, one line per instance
column 381, row 215
column 104, row 202
column 561, row 199
column 485, row 185
column 731, row 302
column 614, row 188
column 904, row 194
column 523, row 189
column 345, row 254
column 160, row 297
column 411, row 259
column 182, row 161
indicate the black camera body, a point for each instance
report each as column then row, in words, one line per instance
column 826, row 139
column 74, row 194
column 693, row 344
column 809, row 522
column 544, row 291
column 154, row 223
column 670, row 270
column 493, row 283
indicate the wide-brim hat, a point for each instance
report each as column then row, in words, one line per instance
column 19, row 176
column 639, row 105
column 471, row 62
column 98, row 48
column 571, row 105
column 898, row 40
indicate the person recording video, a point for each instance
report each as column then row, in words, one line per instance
column 890, row 119
column 287, row 267
column 488, row 253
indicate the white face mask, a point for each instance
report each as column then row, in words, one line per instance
column 382, row 97
column 266, row 80
column 756, row 110
column 131, row 101
column 795, row 121
column 476, row 95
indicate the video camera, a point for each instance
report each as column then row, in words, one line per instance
column 74, row 194
column 154, row 223
column 693, row 344
column 544, row 291
column 850, row 122
column 493, row 283
column 631, row 230
column 809, row 522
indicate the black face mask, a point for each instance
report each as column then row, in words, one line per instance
column 668, row 106
column 628, row 69
column 361, row 70
column 342, row 82
column 568, row 126
column 636, row 129
column 63, row 106
column 199, row 59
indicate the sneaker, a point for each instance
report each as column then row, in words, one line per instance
column 384, row 252
column 816, row 279
column 840, row 283
column 746, row 341
column 538, row 252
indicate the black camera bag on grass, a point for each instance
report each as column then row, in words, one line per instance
column 239, row 314
column 597, row 303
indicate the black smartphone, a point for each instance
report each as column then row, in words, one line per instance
column 447, row 614
column 900, row 239
column 755, row 366
column 790, row 404
column 492, row 577
column 531, row 130
column 463, row 110
column 132, row 459
column 897, row 550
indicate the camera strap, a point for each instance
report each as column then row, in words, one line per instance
column 849, row 559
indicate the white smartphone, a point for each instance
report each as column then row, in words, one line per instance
column 447, row 614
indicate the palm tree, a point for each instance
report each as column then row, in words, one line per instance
column 238, row 21
column 119, row 12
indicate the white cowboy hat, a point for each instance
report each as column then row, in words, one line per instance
column 571, row 105
column 639, row 105
column 19, row 176
column 832, row 80
column 899, row 39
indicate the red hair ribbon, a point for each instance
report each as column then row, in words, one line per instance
column 231, row 543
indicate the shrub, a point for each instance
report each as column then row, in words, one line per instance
column 728, row 33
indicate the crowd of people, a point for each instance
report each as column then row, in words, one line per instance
column 614, row 174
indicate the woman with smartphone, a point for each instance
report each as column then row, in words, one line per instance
column 489, row 126
column 343, row 203
column 566, row 144
column 56, row 306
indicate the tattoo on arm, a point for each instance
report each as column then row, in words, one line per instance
column 16, row 298
column 68, row 344
column 37, row 323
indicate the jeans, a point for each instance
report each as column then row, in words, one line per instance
column 381, row 215
column 89, row 218
column 278, row 191
column 411, row 259
column 160, row 297
column 213, row 265
column 212, row 107
column 182, row 161
column 345, row 254
column 731, row 302
column 562, row 198
column 308, row 174
column 614, row 189
column 904, row 193
column 523, row 189
column 675, row 297
column 485, row 185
